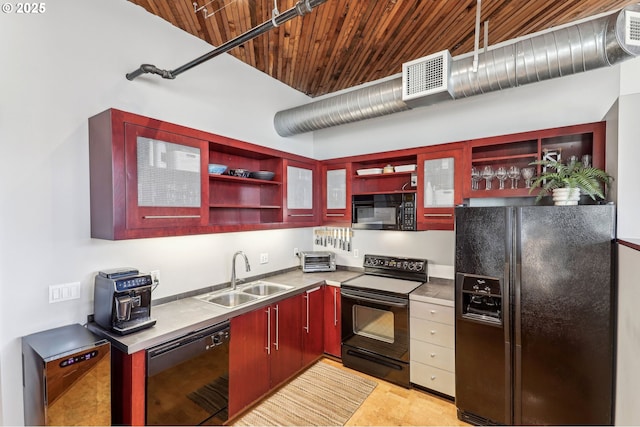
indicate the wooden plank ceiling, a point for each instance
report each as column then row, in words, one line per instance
column 343, row 43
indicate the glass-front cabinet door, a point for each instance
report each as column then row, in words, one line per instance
column 300, row 198
column 165, row 183
column 336, row 193
column 439, row 172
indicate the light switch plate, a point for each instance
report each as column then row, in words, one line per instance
column 64, row 292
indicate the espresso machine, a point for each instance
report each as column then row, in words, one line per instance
column 122, row 300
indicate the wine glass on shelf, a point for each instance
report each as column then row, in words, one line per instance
column 487, row 175
column 475, row 177
column 514, row 174
column 501, row 174
column 527, row 174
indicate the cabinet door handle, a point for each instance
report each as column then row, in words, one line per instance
column 433, row 377
column 170, row 216
column 433, row 312
column 335, row 306
column 433, row 332
column 306, row 296
column 438, row 215
column 432, row 355
column 332, row 214
column 268, row 347
column 300, row 214
column 276, row 344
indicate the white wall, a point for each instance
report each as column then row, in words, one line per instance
column 627, row 409
column 62, row 67
column 628, row 171
column 629, row 81
column 629, row 150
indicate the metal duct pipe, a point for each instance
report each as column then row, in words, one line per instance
column 581, row 47
column 301, row 8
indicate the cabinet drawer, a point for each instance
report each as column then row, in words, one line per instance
column 432, row 332
column 434, row 355
column 431, row 377
column 434, row 312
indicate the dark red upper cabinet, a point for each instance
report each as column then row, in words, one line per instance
column 336, row 193
column 146, row 177
column 301, row 192
column 440, row 174
column 519, row 150
column 150, row 178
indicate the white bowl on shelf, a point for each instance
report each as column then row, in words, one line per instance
column 370, row 171
column 405, row 168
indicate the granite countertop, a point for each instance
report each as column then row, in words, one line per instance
column 436, row 290
column 180, row 317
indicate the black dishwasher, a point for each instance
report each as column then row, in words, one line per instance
column 188, row 379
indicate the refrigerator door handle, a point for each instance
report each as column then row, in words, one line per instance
column 517, row 335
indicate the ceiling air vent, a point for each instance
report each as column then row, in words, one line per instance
column 632, row 28
column 427, row 80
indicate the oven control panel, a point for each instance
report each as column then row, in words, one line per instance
column 394, row 265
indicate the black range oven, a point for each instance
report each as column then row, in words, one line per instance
column 375, row 316
column 393, row 211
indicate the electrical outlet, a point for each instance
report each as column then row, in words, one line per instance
column 155, row 276
column 64, row 292
column 295, row 251
column 355, row 253
column 264, row 258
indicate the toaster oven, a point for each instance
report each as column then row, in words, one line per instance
column 317, row 261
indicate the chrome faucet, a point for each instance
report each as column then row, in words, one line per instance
column 233, row 268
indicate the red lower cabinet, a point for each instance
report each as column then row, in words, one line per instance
column 312, row 330
column 332, row 322
column 248, row 359
column 265, row 350
column 128, row 374
column 286, row 340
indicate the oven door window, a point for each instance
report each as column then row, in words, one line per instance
column 373, row 323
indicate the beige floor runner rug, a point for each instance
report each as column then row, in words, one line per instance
column 321, row 396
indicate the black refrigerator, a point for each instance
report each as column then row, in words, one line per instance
column 535, row 314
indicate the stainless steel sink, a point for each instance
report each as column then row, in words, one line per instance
column 261, row 288
column 230, row 299
column 248, row 293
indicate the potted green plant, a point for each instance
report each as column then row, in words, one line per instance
column 567, row 181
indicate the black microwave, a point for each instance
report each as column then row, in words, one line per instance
column 392, row 211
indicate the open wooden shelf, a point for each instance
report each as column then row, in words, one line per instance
column 241, row 180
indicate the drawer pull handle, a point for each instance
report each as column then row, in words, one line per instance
column 433, row 377
column 432, row 355
column 433, row 312
column 170, row 216
column 433, row 332
column 435, row 215
column 332, row 214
